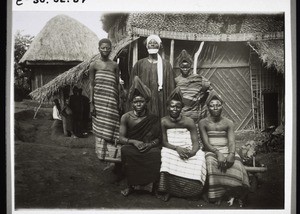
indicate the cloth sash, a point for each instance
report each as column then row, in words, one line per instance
column 193, row 168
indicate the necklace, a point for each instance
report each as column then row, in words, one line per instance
column 175, row 120
column 142, row 114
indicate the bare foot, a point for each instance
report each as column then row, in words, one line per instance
column 166, row 197
column 127, row 191
column 230, row 202
column 205, row 197
column 218, row 203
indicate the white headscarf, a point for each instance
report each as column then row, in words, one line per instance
column 159, row 61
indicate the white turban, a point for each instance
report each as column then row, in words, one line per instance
column 154, row 37
column 159, row 60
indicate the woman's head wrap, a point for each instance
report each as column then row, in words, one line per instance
column 184, row 56
column 138, row 88
column 176, row 94
column 213, row 95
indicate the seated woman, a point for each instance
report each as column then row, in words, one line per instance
column 183, row 168
column 226, row 173
column 140, row 134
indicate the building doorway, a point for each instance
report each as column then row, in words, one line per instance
column 271, row 109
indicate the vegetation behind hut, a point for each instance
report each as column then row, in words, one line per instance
column 21, row 73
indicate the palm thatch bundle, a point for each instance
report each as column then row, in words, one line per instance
column 271, row 53
column 202, row 23
column 74, row 76
column 62, row 39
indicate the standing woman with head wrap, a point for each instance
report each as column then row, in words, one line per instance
column 157, row 74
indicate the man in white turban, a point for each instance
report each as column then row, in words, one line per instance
column 157, row 74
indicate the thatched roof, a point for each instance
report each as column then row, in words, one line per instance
column 264, row 31
column 73, row 76
column 208, row 23
column 271, row 53
column 62, row 39
column 200, row 23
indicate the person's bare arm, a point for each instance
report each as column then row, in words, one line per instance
column 208, row 146
column 91, row 72
column 204, row 136
column 123, row 129
column 91, row 86
column 194, row 138
column 165, row 141
column 123, row 132
column 231, row 143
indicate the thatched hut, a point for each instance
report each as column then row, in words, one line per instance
column 243, row 57
column 62, row 44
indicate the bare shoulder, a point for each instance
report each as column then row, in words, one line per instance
column 114, row 63
column 227, row 121
column 92, row 65
column 125, row 116
column 203, row 122
column 189, row 123
column 188, row 120
column 164, row 120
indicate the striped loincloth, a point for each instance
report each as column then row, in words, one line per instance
column 220, row 182
column 106, row 97
column 193, row 168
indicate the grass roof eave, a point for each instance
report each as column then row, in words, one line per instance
column 70, row 77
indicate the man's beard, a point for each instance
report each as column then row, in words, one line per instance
column 152, row 51
column 216, row 113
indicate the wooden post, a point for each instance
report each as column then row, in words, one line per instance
column 42, row 80
column 36, row 81
column 135, row 52
column 172, row 52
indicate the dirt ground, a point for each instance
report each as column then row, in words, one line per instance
column 63, row 172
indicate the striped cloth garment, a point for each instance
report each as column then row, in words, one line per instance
column 106, row 97
column 193, row 89
column 220, row 182
column 194, row 168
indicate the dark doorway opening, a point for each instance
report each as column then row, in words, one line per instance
column 271, row 109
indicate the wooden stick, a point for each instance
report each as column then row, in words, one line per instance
column 256, row 169
column 36, row 111
column 196, row 57
column 172, row 53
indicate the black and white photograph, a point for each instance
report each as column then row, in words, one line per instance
column 150, row 110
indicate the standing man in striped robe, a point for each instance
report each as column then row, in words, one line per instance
column 104, row 100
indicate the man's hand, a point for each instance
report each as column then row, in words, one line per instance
column 145, row 147
column 221, row 162
column 92, row 109
column 138, row 144
column 229, row 160
column 183, row 152
column 221, row 158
